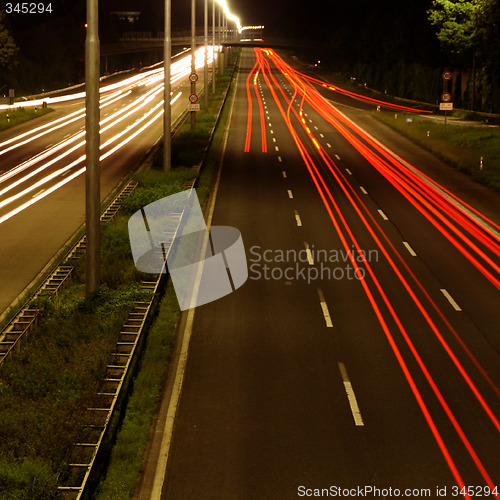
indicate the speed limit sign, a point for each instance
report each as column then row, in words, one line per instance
column 447, row 75
column 446, row 97
column 193, row 77
column 193, row 98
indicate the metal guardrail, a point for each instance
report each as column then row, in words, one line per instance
column 95, row 430
column 16, row 332
column 84, row 466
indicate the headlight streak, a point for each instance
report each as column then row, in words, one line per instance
column 66, row 120
column 144, row 100
column 322, row 189
column 181, row 69
column 51, row 176
column 80, row 171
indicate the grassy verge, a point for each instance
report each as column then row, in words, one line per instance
column 461, row 146
column 45, row 389
column 126, row 458
column 16, row 116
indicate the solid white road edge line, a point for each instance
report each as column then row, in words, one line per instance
column 161, row 466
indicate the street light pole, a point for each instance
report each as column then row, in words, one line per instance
column 205, row 41
column 92, row 177
column 224, row 37
column 214, row 59
column 167, row 109
column 193, row 57
column 220, row 63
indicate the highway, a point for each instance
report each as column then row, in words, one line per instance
column 361, row 358
column 42, row 164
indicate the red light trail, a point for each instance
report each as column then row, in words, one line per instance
column 471, row 233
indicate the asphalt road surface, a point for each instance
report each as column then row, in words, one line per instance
column 313, row 375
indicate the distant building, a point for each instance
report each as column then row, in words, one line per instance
column 131, row 16
column 126, row 10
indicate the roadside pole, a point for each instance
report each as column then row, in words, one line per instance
column 167, row 109
column 214, row 59
column 193, row 58
column 92, row 177
column 220, row 64
column 205, row 41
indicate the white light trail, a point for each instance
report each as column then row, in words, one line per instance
column 180, row 69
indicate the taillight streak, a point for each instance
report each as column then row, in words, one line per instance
column 313, row 171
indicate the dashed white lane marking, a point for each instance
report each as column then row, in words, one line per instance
column 315, row 128
column 348, row 171
column 297, row 219
column 322, row 136
column 383, row 215
column 284, row 174
column 290, row 194
column 274, row 139
column 269, row 122
column 410, row 249
column 353, row 403
column 272, row 131
column 363, row 190
column 309, row 254
column 451, row 300
column 337, row 156
column 276, row 148
column 39, row 193
column 328, row 144
column 324, row 307
column 280, row 159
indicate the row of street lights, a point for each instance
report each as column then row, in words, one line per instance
column 92, row 74
column 223, row 33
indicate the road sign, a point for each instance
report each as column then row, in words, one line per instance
column 193, row 98
column 445, row 106
column 193, row 107
column 447, row 75
column 193, row 77
column 11, row 92
column 446, row 97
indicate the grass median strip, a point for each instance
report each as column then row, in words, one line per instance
column 126, row 458
column 45, row 389
column 474, row 150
